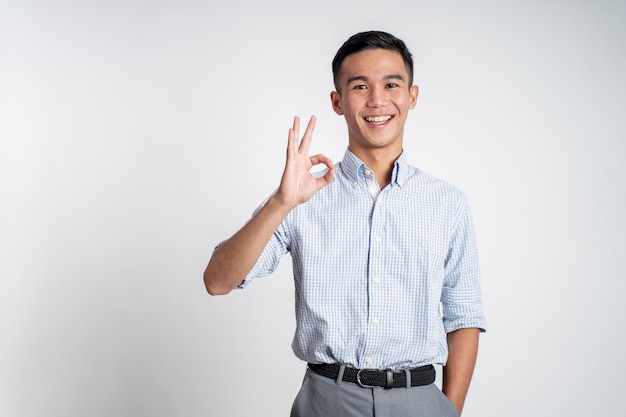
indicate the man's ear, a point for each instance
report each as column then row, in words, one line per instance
column 335, row 99
column 413, row 93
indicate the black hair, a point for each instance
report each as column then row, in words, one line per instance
column 372, row 40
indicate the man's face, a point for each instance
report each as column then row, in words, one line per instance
column 374, row 96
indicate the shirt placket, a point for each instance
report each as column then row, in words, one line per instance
column 375, row 316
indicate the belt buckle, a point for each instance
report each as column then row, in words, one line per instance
column 389, row 382
column 361, row 384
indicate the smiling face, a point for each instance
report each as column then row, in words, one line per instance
column 374, row 96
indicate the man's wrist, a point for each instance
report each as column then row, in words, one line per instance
column 278, row 205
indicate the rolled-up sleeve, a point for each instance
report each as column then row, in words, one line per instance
column 461, row 297
column 268, row 261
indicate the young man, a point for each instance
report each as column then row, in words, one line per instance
column 384, row 256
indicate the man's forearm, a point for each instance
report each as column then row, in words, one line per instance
column 457, row 374
column 230, row 264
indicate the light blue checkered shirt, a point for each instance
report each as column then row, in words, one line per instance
column 380, row 276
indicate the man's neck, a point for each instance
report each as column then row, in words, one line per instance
column 381, row 161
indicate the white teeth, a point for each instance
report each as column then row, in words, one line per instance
column 378, row 119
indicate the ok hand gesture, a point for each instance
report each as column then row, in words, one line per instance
column 298, row 184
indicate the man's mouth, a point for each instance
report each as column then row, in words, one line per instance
column 378, row 120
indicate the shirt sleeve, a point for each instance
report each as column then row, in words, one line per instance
column 461, row 300
column 269, row 259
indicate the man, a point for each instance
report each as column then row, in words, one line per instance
column 384, row 256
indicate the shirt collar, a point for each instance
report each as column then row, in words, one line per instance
column 351, row 165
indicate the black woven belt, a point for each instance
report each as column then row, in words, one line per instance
column 368, row 378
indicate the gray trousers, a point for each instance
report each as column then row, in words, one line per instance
column 320, row 396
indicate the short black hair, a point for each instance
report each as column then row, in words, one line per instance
column 373, row 39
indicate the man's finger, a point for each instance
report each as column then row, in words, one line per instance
column 293, row 137
column 308, row 135
column 327, row 178
column 321, row 159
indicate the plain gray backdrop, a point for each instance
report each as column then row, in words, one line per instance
column 135, row 135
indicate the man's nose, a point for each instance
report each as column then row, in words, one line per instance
column 376, row 97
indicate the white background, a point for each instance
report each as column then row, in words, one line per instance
column 135, row 135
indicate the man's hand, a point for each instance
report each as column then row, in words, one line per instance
column 298, row 184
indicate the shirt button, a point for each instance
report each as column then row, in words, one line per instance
column 368, row 360
column 378, row 239
column 375, row 321
column 368, row 172
column 355, row 183
column 377, row 280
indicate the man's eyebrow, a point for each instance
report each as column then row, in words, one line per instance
column 385, row 77
column 357, row 78
column 393, row 77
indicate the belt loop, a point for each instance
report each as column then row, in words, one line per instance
column 389, row 379
column 408, row 377
column 342, row 368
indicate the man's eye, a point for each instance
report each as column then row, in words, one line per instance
column 360, row 87
column 392, row 85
